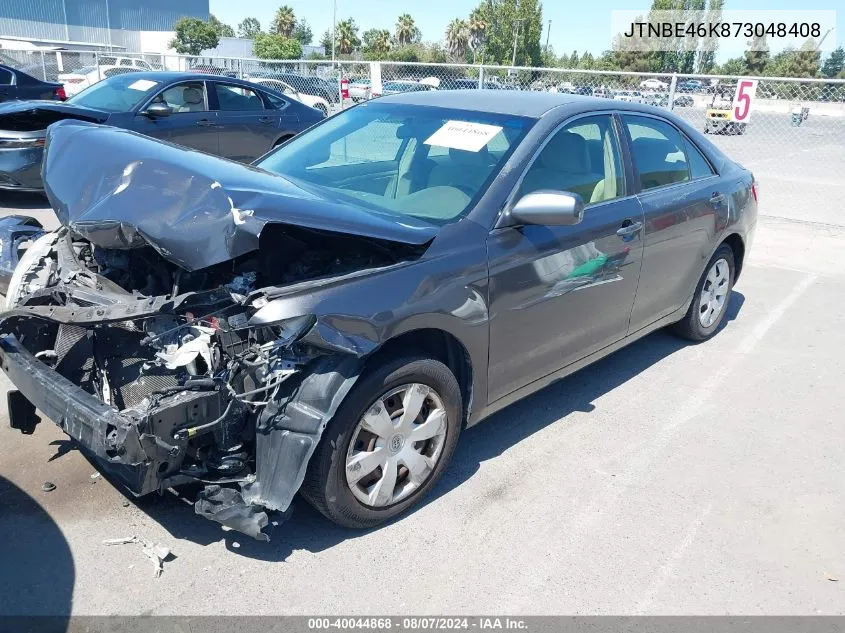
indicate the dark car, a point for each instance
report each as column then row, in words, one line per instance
column 16, row 85
column 218, row 115
column 306, row 84
column 466, row 84
column 210, row 69
column 397, row 87
column 329, row 320
column 691, row 85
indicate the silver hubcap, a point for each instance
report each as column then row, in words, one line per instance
column 396, row 445
column 714, row 293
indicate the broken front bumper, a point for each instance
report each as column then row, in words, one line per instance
column 110, row 437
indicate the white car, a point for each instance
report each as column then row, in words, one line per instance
column 654, row 84
column 359, row 89
column 631, row 96
column 81, row 79
column 286, row 89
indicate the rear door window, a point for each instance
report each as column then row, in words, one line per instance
column 237, row 98
column 658, row 152
column 5, row 77
column 698, row 165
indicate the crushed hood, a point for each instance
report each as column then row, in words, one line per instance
column 121, row 190
column 39, row 108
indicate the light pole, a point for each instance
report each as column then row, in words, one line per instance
column 515, row 38
column 334, row 28
column 548, row 33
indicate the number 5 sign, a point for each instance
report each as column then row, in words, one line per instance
column 743, row 97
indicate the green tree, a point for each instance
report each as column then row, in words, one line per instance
column 193, row 36
column 573, row 60
column 284, row 21
column 457, row 39
column 834, row 64
column 806, row 62
column 347, row 36
column 406, row 30
column 249, row 28
column 302, row 32
column 503, row 16
column 587, row 61
column 757, row 56
column 275, row 46
column 477, row 27
column 376, row 43
column 224, row 30
column 708, row 46
column 326, row 42
column 734, row 66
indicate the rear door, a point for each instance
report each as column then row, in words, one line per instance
column 684, row 203
column 191, row 122
column 248, row 127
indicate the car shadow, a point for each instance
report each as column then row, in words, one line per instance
column 38, row 570
column 307, row 529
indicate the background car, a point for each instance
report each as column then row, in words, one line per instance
column 465, row 83
column 280, row 86
column 16, row 84
column 691, row 85
column 629, row 96
column 359, row 88
column 77, row 81
column 396, row 87
column 214, row 114
column 211, row 69
column 303, row 84
column 654, row 84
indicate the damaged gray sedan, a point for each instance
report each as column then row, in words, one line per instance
column 328, row 320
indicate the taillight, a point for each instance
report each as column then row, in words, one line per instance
column 754, row 190
column 61, row 95
column 74, row 80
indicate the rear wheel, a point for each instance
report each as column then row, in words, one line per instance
column 388, row 443
column 710, row 301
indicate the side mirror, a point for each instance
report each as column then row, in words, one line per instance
column 158, row 110
column 550, row 208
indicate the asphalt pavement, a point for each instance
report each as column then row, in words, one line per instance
column 666, row 479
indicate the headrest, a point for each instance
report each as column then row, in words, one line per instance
column 192, row 95
column 469, row 159
column 566, row 152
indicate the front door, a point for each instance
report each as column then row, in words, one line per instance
column 191, row 122
column 559, row 293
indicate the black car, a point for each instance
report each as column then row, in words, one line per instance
column 214, row 114
column 466, row 84
column 329, row 319
column 17, row 85
column 306, row 84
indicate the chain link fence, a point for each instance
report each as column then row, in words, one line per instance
column 794, row 141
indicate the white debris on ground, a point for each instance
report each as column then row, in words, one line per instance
column 156, row 552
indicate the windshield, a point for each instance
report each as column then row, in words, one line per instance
column 120, row 93
column 429, row 163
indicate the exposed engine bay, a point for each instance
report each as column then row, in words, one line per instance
column 194, row 388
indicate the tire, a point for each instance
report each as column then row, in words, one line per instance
column 692, row 327
column 325, row 485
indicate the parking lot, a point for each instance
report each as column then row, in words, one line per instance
column 668, row 478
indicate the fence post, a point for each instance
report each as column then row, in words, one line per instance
column 480, row 77
column 97, row 64
column 43, row 67
column 672, row 84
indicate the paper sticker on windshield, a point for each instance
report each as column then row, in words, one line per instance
column 142, row 84
column 470, row 137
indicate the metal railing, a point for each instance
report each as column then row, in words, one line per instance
column 794, row 141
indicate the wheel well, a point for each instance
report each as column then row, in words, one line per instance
column 436, row 344
column 738, row 247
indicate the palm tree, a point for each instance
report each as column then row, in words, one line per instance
column 405, row 29
column 477, row 28
column 381, row 43
column 457, row 38
column 284, row 21
column 347, row 36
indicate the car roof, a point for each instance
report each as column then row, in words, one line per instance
column 173, row 75
column 515, row 102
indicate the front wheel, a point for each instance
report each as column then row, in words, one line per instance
column 710, row 301
column 388, row 443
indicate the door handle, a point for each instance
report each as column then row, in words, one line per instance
column 629, row 228
column 265, row 119
column 205, row 123
column 717, row 199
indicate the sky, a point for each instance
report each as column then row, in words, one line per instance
column 587, row 28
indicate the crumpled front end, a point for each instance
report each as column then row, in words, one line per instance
column 167, row 377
